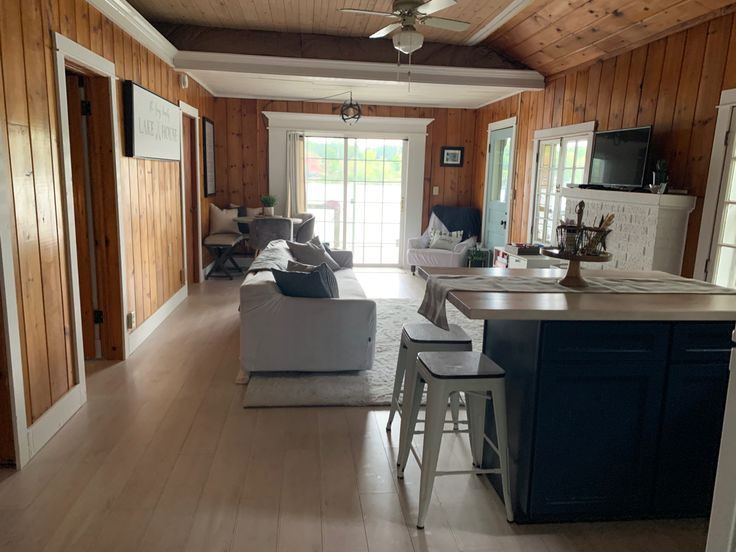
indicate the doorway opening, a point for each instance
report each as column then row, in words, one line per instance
column 7, row 435
column 94, row 191
column 355, row 188
column 191, row 184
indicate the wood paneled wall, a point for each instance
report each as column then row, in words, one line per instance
column 151, row 193
column 241, row 144
column 673, row 84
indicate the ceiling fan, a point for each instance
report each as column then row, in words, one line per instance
column 407, row 15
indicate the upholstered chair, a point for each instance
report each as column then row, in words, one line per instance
column 305, row 232
column 263, row 230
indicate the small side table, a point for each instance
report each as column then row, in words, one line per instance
column 480, row 258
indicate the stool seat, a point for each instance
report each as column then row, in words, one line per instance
column 425, row 333
column 224, row 240
column 462, row 365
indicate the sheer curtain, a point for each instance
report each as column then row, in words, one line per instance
column 295, row 185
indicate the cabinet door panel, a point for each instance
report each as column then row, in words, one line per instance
column 596, row 439
column 691, row 434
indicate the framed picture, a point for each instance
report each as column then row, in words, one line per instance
column 208, row 146
column 452, row 156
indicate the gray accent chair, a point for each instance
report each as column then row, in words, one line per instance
column 305, row 231
column 264, row 230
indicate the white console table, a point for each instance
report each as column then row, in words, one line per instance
column 649, row 230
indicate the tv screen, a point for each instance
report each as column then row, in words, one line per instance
column 619, row 157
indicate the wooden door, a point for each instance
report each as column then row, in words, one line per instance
column 77, row 138
column 191, row 196
column 7, row 442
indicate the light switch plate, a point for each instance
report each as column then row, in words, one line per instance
column 435, row 190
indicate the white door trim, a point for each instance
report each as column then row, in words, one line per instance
column 713, row 193
column 500, row 125
column 193, row 113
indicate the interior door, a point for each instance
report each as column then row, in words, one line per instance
column 190, row 198
column 724, row 244
column 498, row 187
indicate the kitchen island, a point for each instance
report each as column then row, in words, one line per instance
column 615, row 401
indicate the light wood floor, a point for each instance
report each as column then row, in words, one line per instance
column 163, row 458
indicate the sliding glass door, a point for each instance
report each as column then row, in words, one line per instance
column 355, row 188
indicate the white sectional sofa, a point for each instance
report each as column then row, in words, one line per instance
column 296, row 334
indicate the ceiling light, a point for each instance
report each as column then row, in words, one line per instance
column 408, row 40
column 351, row 112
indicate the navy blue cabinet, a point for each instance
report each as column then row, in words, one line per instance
column 611, row 420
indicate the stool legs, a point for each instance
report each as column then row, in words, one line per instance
column 413, row 389
column 499, row 415
column 475, row 407
column 433, row 427
column 455, row 410
column 398, row 382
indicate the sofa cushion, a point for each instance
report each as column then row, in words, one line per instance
column 320, row 283
column 312, row 253
column 445, row 240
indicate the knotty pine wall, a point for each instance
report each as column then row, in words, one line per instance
column 673, row 84
column 241, row 146
column 151, row 193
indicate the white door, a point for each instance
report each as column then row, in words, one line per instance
column 499, row 178
column 723, row 250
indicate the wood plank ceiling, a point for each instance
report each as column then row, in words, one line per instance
column 557, row 35
column 318, row 16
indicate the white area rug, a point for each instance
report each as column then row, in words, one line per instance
column 368, row 388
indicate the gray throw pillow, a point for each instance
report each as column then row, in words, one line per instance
column 318, row 284
column 312, row 253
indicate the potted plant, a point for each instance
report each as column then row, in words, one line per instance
column 268, row 202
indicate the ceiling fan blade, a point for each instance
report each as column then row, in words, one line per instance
column 446, row 24
column 366, row 12
column 435, row 5
column 388, row 29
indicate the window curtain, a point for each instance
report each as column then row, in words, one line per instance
column 296, row 200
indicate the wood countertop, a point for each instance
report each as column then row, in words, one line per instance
column 580, row 305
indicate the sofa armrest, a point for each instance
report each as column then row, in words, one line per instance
column 342, row 257
column 463, row 246
column 416, row 243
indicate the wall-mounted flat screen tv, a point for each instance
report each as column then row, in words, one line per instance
column 619, row 158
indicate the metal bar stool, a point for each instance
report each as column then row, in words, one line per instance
column 480, row 379
column 425, row 337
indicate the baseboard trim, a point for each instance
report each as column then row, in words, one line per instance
column 51, row 421
column 142, row 332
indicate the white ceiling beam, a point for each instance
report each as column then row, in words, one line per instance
column 497, row 22
column 365, row 71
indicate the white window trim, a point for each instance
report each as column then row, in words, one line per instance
column 570, row 131
column 405, row 128
column 500, row 125
column 713, row 203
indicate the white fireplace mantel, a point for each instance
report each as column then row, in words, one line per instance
column 648, row 232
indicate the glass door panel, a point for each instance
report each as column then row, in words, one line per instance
column 357, row 197
column 724, row 272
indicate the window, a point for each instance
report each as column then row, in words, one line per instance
column 563, row 158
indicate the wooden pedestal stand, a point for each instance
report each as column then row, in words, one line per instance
column 573, row 278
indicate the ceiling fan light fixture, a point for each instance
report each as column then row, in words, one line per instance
column 351, row 112
column 408, row 40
